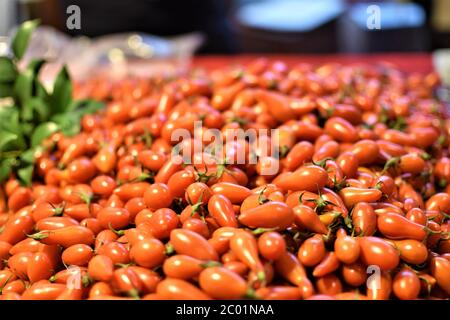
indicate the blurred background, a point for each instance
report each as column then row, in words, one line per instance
column 242, row 26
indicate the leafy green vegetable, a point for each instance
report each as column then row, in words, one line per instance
column 32, row 114
column 22, row 37
column 8, row 70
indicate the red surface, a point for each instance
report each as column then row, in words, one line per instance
column 414, row 62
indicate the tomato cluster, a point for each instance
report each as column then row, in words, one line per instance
column 358, row 209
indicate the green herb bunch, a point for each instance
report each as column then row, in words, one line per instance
column 28, row 112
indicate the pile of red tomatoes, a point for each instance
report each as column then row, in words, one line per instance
column 358, row 209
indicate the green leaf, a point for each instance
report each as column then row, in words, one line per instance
column 37, row 109
column 6, row 90
column 5, row 169
column 28, row 156
column 10, row 120
column 5, row 139
column 68, row 123
column 61, row 97
column 23, row 87
column 8, row 71
column 41, row 92
column 43, row 131
column 35, row 65
column 26, row 174
column 22, row 37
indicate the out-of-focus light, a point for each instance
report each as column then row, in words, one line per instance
column 116, row 56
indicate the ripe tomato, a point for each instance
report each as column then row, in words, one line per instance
column 162, row 222
column 243, row 244
column 306, row 218
column 221, row 283
column 118, row 252
column 53, row 223
column 351, row 195
column 411, row 251
column 376, row 251
column 78, row 254
column 364, row 219
column 289, row 267
column 66, row 237
column 16, row 229
column 329, row 285
column 179, row 182
column 43, row 291
column 354, row 274
column 116, row 218
column 340, row 129
column 101, row 268
column 279, row 293
column 309, row 178
column 406, row 285
column 312, row 251
column 395, row 226
column 300, row 153
column 192, row 244
column 440, row 269
column 234, row 192
column 329, row 264
column 19, row 262
column 148, row 253
column 176, row 289
column 39, row 267
column 183, row 267
column 271, row 245
column 80, row 170
column 128, row 191
column 273, row 214
column 158, row 196
column 19, row 198
column 221, row 209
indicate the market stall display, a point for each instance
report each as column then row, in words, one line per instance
column 295, row 181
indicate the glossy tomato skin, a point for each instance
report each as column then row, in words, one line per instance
column 175, row 289
column 271, row 245
column 440, row 268
column 411, row 251
column 312, row 251
column 192, row 244
column 273, row 214
column 101, row 268
column 309, row 178
column 347, row 249
column 231, row 285
column 19, row 198
column 354, row 274
column 162, row 222
column 118, row 252
column 78, row 254
column 376, row 251
column 16, row 229
column 364, row 219
column 406, row 285
column 40, row 267
column 116, row 218
column 183, row 267
column 306, row 218
column 148, row 253
column 221, row 209
column 395, row 226
column 158, row 196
